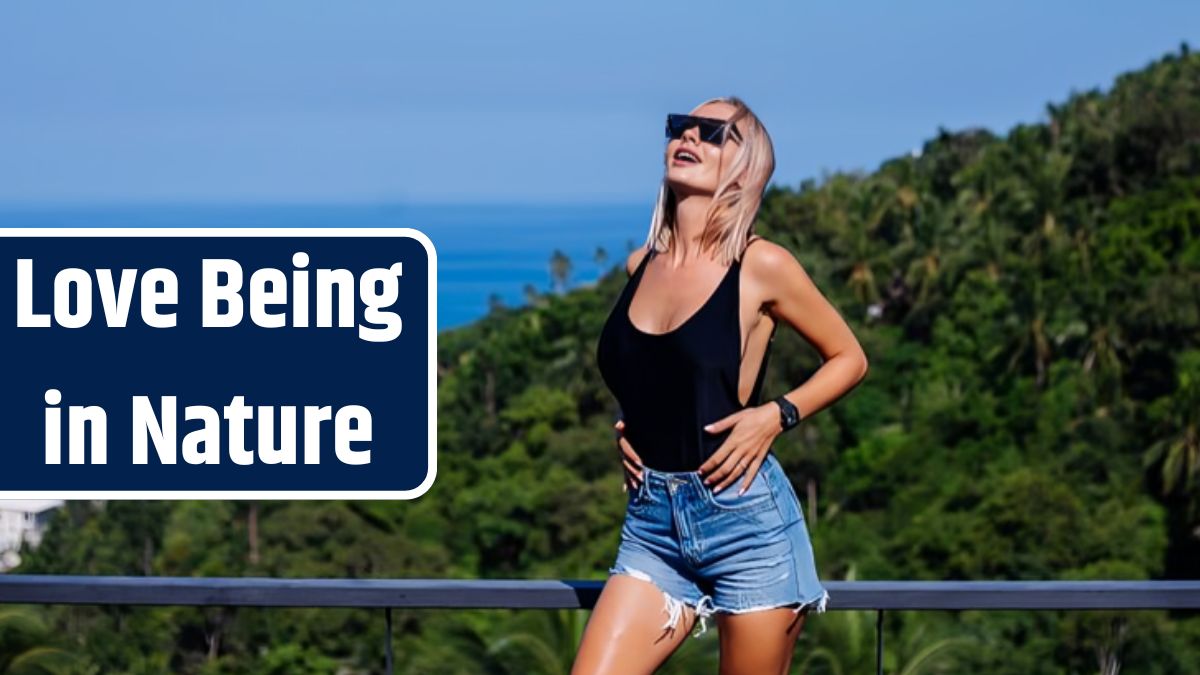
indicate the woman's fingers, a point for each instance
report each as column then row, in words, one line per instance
column 632, row 470
column 624, row 443
column 751, row 472
column 733, row 466
column 631, row 463
column 627, row 449
column 713, row 468
column 725, row 422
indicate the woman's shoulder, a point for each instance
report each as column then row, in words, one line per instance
column 761, row 251
column 766, row 259
column 635, row 258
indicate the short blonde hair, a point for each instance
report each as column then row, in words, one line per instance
column 730, row 218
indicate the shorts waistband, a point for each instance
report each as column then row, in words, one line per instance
column 653, row 477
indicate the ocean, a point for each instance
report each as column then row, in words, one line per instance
column 482, row 249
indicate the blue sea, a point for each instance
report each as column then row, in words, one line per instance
column 482, row 249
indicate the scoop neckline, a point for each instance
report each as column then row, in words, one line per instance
column 699, row 310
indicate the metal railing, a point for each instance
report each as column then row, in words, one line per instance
column 386, row 594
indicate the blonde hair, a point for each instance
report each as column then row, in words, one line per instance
column 730, row 218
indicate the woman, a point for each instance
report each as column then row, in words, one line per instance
column 712, row 524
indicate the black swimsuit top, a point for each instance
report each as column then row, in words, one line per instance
column 669, row 385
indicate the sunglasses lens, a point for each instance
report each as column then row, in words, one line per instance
column 676, row 125
column 713, row 132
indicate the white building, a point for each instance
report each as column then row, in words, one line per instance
column 22, row 520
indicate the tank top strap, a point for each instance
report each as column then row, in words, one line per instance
column 635, row 280
column 637, row 273
column 650, row 251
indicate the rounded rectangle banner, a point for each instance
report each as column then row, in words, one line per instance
column 218, row 363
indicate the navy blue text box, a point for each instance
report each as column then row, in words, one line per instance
column 392, row 377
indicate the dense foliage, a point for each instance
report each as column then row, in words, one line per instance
column 1030, row 305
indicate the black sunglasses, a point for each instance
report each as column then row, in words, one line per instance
column 712, row 130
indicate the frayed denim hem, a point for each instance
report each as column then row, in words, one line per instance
column 817, row 605
column 671, row 605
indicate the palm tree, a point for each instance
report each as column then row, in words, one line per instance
column 560, row 270
column 1178, row 414
column 495, row 303
column 537, row 642
column 843, row 643
column 24, row 649
column 601, row 259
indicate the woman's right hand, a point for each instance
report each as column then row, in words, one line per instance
column 629, row 459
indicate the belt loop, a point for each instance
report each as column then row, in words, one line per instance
column 696, row 481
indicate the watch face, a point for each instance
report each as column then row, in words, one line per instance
column 789, row 414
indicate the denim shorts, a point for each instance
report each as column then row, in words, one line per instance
column 720, row 552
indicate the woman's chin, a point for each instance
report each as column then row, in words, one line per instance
column 686, row 185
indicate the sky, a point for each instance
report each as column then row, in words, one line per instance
column 372, row 101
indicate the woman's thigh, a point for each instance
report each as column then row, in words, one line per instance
column 759, row 642
column 625, row 634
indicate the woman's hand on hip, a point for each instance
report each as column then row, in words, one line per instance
column 742, row 453
column 629, row 459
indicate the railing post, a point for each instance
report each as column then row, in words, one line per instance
column 879, row 643
column 387, row 648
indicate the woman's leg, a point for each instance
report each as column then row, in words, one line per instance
column 759, row 642
column 625, row 634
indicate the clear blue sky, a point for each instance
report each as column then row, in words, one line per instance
column 386, row 101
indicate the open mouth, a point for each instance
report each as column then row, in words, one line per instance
column 685, row 157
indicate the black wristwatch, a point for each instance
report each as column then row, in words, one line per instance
column 789, row 416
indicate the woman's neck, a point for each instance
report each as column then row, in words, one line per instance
column 690, row 212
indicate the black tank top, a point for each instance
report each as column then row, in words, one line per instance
column 669, row 385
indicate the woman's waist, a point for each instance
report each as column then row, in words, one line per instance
column 672, row 435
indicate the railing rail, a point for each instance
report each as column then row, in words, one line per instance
column 387, row 594
column 570, row 594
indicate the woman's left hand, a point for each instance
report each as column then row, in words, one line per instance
column 754, row 429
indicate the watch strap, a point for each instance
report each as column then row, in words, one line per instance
column 789, row 415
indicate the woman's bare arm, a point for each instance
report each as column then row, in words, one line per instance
column 790, row 295
column 780, row 285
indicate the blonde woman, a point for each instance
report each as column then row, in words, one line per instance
column 712, row 524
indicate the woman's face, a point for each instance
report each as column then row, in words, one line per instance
column 701, row 176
